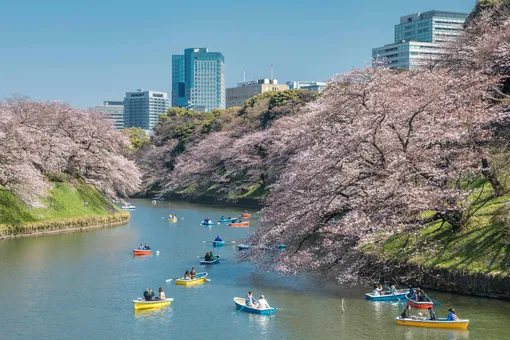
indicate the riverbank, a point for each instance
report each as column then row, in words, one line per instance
column 70, row 206
column 65, row 225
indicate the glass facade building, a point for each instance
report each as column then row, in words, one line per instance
column 418, row 38
column 198, row 80
column 142, row 108
column 114, row 111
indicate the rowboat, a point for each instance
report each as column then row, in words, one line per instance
column 282, row 246
column 207, row 223
column 215, row 261
column 218, row 243
column 201, row 277
column 172, row 219
column 246, row 215
column 439, row 323
column 419, row 304
column 243, row 246
column 240, row 224
column 233, row 219
column 142, row 304
column 388, row 296
column 139, row 252
column 128, row 206
column 241, row 304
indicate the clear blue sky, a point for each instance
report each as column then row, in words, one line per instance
column 84, row 52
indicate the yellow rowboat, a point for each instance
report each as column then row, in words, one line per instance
column 142, row 304
column 201, row 277
column 172, row 220
column 439, row 323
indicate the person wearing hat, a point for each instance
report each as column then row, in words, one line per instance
column 263, row 303
column 451, row 315
column 432, row 314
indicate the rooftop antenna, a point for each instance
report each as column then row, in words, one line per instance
column 271, row 72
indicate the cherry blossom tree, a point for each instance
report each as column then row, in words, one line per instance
column 41, row 138
column 375, row 152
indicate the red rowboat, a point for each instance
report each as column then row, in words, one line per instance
column 139, row 252
column 246, row 215
column 241, row 224
column 419, row 304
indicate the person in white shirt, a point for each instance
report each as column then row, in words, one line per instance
column 376, row 291
column 263, row 303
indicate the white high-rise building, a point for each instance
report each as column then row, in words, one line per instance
column 142, row 108
column 419, row 38
column 114, row 111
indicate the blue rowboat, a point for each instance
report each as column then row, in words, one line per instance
column 207, row 223
column 388, row 296
column 241, row 303
column 218, row 243
column 215, row 261
column 243, row 246
column 233, row 219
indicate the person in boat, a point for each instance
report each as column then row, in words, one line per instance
column 229, row 217
column 148, row 294
column 420, row 295
column 171, row 217
column 187, row 275
column 263, row 303
column 218, row 239
column 141, row 247
column 161, row 294
column 376, row 291
column 392, row 287
column 432, row 314
column 250, row 300
column 207, row 220
column 246, row 212
column 207, row 257
column 193, row 273
column 222, row 218
column 211, row 255
column 406, row 314
column 147, row 247
column 412, row 293
column 451, row 315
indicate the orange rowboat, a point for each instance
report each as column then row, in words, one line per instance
column 140, row 252
column 246, row 215
column 241, row 224
column 420, row 304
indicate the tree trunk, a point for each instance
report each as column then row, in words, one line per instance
column 491, row 177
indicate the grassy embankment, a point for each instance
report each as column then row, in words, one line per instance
column 66, row 209
column 481, row 247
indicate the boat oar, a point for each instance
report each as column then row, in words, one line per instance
column 170, row 280
column 240, row 309
column 207, row 241
column 392, row 292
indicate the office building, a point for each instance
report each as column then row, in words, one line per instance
column 237, row 96
column 114, row 111
column 198, row 81
column 142, row 108
column 419, row 38
column 315, row 86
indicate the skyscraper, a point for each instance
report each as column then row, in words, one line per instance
column 198, row 80
column 142, row 108
column 419, row 38
column 114, row 111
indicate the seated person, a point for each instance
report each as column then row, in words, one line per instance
column 211, row 255
column 148, row 294
column 451, row 315
column 250, row 300
column 193, row 273
column 187, row 275
column 147, row 247
column 141, row 247
column 376, row 291
column 161, row 294
column 406, row 314
column 263, row 303
column 222, row 218
column 432, row 314
column 207, row 257
column 218, row 239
